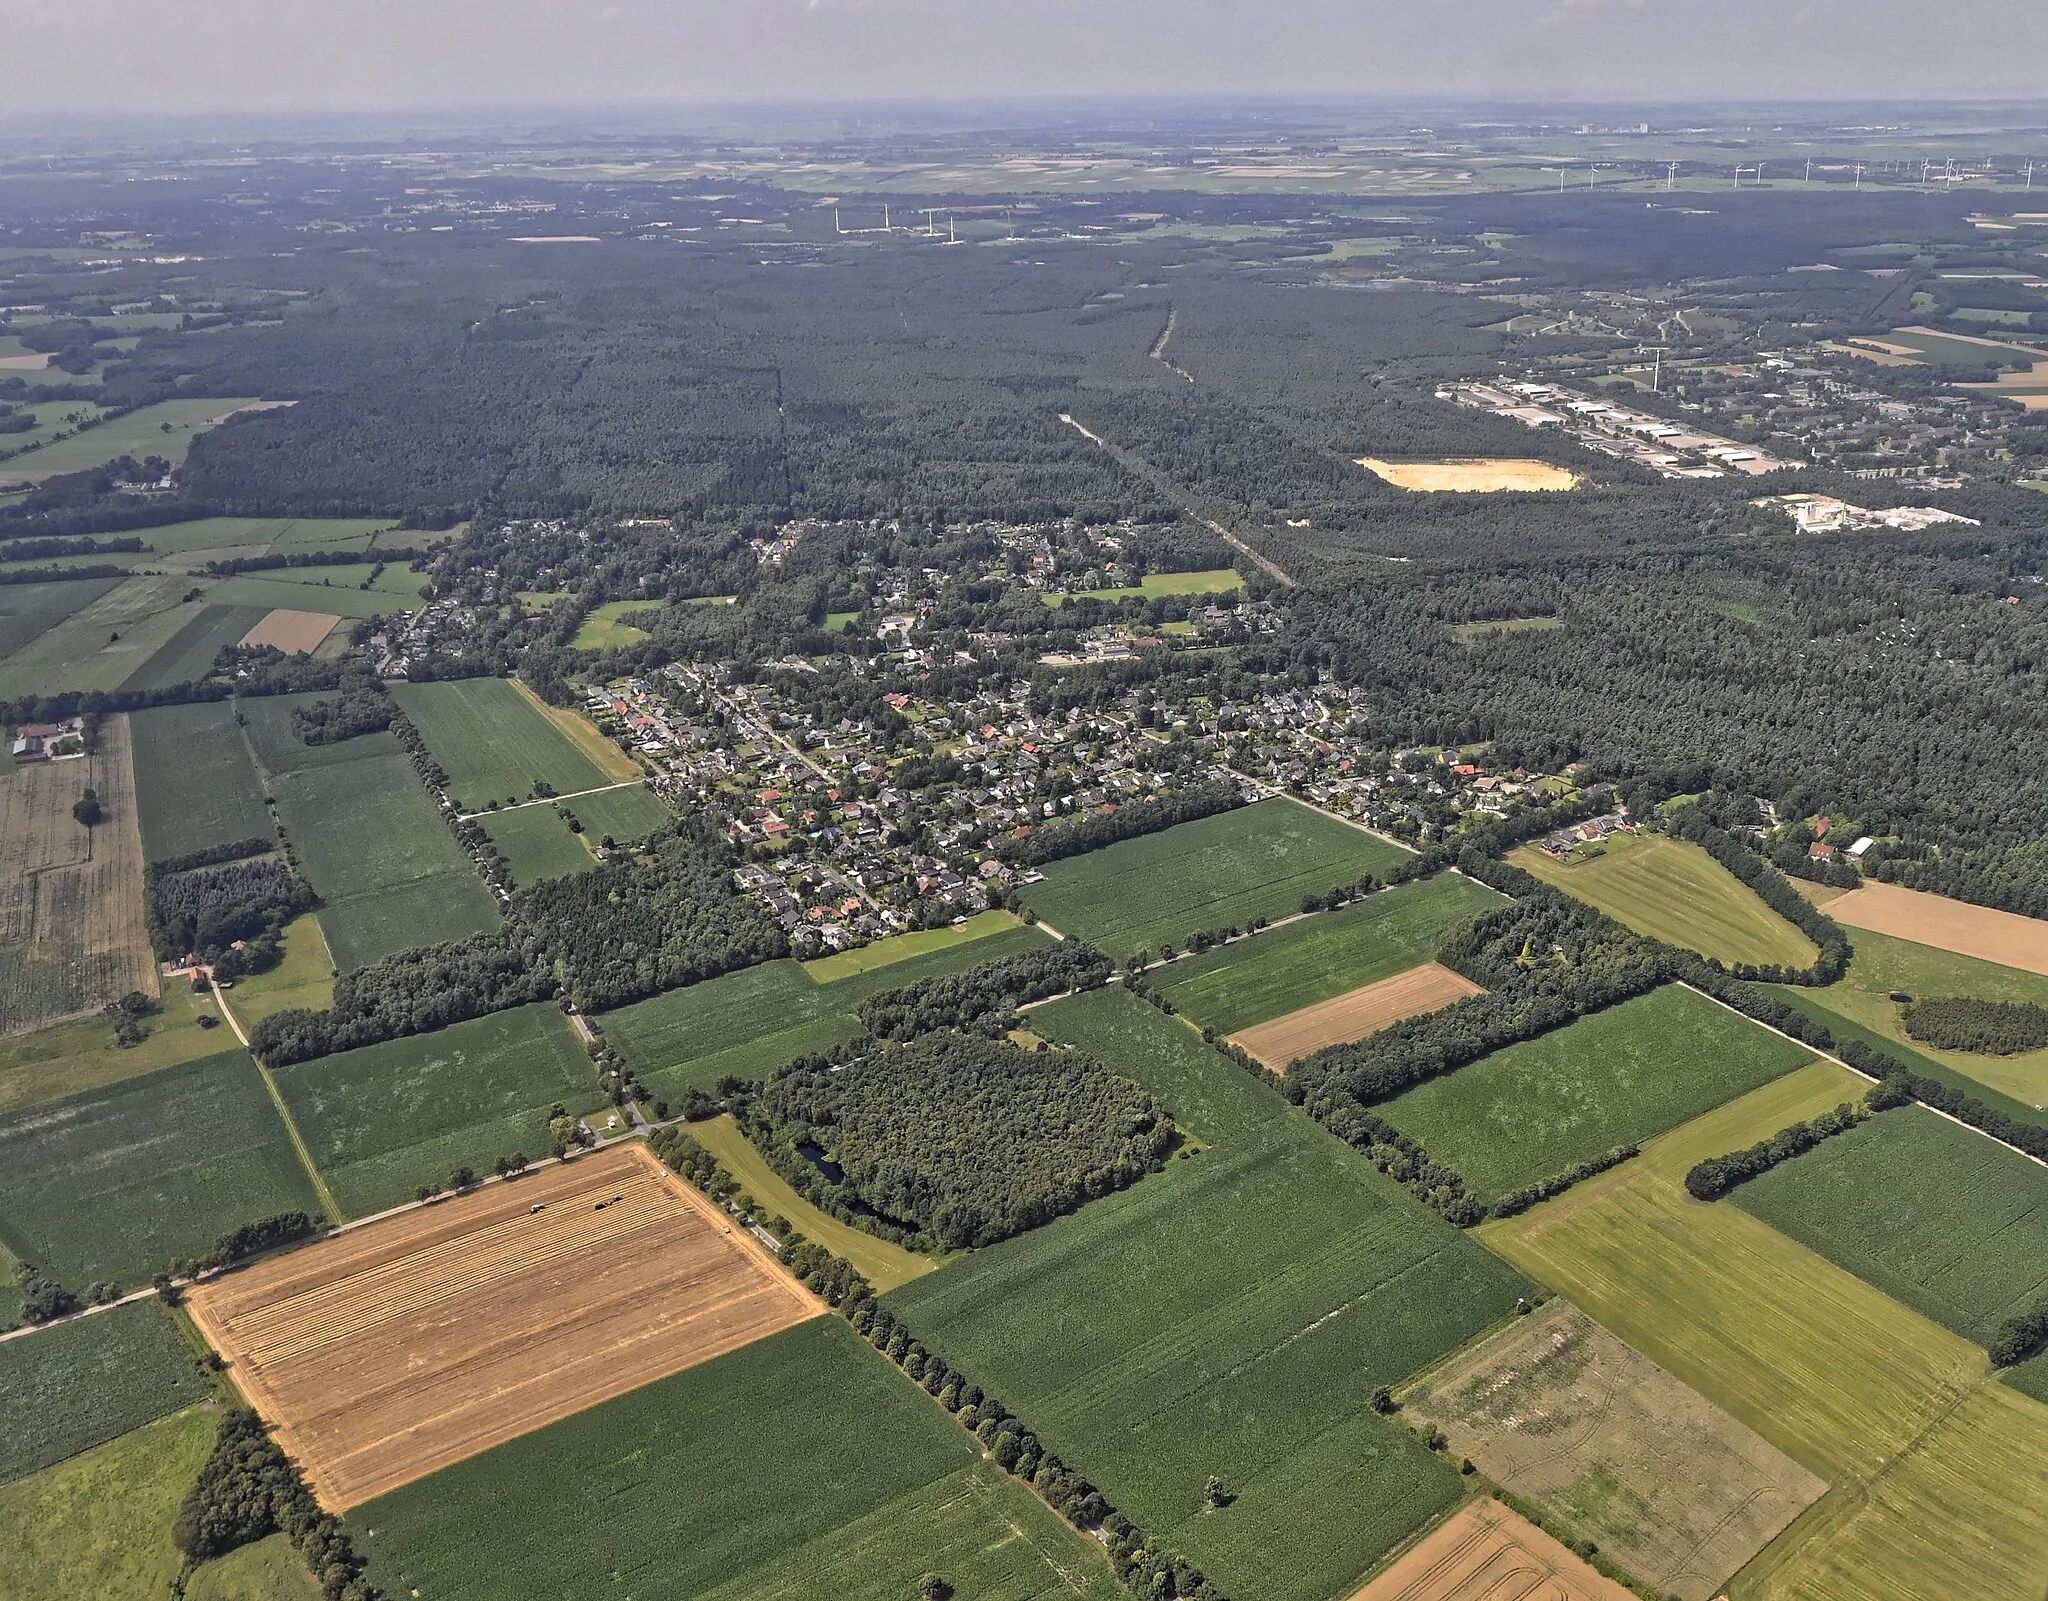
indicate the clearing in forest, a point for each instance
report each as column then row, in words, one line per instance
column 1560, row 1412
column 1488, row 1552
column 1352, row 1016
column 1674, row 891
column 1480, row 475
column 391, row 1351
column 1947, row 925
column 293, row 632
column 72, row 933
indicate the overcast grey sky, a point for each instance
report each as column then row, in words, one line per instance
column 284, row 55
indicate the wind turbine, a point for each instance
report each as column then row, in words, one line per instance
column 2030, row 172
column 1859, row 175
column 1670, row 175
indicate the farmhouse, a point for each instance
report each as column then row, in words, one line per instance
column 49, row 742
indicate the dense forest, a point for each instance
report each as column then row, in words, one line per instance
column 955, row 1140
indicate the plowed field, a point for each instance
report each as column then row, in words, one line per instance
column 294, row 632
column 394, row 1350
column 1354, row 1014
column 1947, row 925
column 1489, row 1553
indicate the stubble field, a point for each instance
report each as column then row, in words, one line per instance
column 397, row 1349
column 1354, row 1015
column 1947, row 925
column 1487, row 1552
column 72, row 936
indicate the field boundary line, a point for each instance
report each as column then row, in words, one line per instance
column 320, row 1190
column 1829, row 1056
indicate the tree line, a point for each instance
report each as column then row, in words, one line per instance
column 1958, row 1023
column 1091, row 830
column 983, row 998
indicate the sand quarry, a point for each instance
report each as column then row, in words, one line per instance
column 1471, row 475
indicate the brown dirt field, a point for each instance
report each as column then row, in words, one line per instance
column 1611, row 1447
column 390, row 1351
column 1488, row 1552
column 293, row 632
column 72, row 933
column 1947, row 925
column 1472, row 475
column 1354, row 1014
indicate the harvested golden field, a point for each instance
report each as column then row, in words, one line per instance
column 1947, row 925
column 1470, row 475
column 390, row 1351
column 1488, row 1552
column 293, row 632
column 1354, row 1014
column 1615, row 1450
column 72, row 935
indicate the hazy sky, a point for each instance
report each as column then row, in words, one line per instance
column 283, row 55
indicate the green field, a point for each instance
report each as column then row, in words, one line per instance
column 112, row 1184
column 1257, row 861
column 1288, row 968
column 385, row 1119
column 194, row 785
column 99, row 1525
column 55, row 1062
column 1613, row 1078
column 536, row 843
column 102, row 643
column 602, row 629
column 1164, row 1055
column 337, row 590
column 189, row 654
column 269, row 1570
column 1883, row 964
column 1230, row 1315
column 901, row 947
column 165, row 429
column 369, row 839
column 27, row 611
column 303, row 977
column 883, row 1265
column 627, row 813
column 743, row 1024
column 491, row 742
column 79, row 1384
column 1676, row 892
column 1216, row 581
column 1897, row 1414
column 205, row 539
column 1953, row 1224
column 747, row 1024
column 800, row 1466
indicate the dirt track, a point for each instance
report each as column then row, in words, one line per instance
column 1354, row 1014
column 399, row 1348
column 1486, row 1552
column 293, row 632
column 2002, row 937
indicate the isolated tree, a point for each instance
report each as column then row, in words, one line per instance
column 1216, row 1494
column 86, row 809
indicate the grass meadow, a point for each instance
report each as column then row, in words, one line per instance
column 165, row 429
column 304, row 977
column 348, row 591
column 626, row 814
column 223, row 538
column 269, row 1570
column 1676, row 892
column 111, row 1185
column 77, row 1385
column 1953, row 1224
column 1614, row 1078
column 1215, row 581
column 189, row 654
column 901, row 947
column 604, row 628
column 107, row 638
column 536, row 844
column 99, row 1524
column 1323, row 956
column 1897, row 1414
column 491, row 742
column 1883, row 964
column 27, row 611
column 802, row 1465
column 1256, row 861
column 385, row 1119
column 193, row 783
column 1229, row 1315
column 53, row 1063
